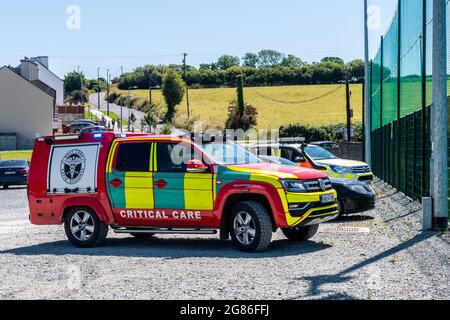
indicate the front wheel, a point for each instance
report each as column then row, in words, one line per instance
column 251, row 227
column 301, row 233
column 84, row 229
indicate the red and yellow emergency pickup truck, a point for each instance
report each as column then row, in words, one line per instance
column 144, row 185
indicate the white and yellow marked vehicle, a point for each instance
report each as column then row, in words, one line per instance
column 315, row 157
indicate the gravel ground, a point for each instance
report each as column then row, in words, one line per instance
column 381, row 254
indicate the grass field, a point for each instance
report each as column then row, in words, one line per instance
column 16, row 155
column 115, row 117
column 277, row 106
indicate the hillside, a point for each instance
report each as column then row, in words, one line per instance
column 277, row 106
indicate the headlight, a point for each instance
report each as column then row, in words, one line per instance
column 293, row 185
column 358, row 189
column 341, row 170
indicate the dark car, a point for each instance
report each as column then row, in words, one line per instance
column 14, row 173
column 354, row 196
column 77, row 126
column 93, row 129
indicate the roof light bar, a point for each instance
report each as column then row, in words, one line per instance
column 67, row 137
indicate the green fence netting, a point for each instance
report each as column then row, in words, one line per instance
column 401, row 94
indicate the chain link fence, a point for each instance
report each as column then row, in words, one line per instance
column 401, row 94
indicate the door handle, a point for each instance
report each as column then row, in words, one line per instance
column 161, row 184
column 116, row 183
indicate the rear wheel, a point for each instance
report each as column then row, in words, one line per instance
column 251, row 227
column 301, row 233
column 84, row 229
column 5, row 186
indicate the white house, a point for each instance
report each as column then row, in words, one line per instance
column 27, row 110
column 37, row 70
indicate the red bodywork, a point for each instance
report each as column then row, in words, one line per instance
column 48, row 209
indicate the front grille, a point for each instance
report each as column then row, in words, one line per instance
column 315, row 186
column 361, row 169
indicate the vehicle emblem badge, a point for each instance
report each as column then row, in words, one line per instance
column 322, row 185
column 73, row 166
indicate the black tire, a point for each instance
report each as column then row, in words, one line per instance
column 341, row 208
column 5, row 186
column 94, row 236
column 301, row 233
column 260, row 225
column 142, row 235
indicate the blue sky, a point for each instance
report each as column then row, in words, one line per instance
column 135, row 32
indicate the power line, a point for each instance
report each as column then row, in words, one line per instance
column 299, row 101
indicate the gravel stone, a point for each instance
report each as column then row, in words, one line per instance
column 380, row 254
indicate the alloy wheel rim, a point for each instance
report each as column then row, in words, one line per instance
column 82, row 226
column 244, row 228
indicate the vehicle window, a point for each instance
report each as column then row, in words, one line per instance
column 174, row 157
column 133, row 157
column 287, row 153
column 230, row 153
column 13, row 163
column 318, row 153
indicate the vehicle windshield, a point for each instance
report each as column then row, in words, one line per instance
column 230, row 153
column 319, row 153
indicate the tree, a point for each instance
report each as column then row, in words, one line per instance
column 75, row 96
column 333, row 59
column 96, row 85
column 235, row 121
column 250, row 60
column 269, row 58
column 357, row 68
column 227, row 61
column 240, row 114
column 72, row 82
column 292, row 61
column 151, row 117
column 173, row 91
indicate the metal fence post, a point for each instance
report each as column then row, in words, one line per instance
column 380, row 146
column 424, row 98
column 397, row 182
column 439, row 118
column 368, row 90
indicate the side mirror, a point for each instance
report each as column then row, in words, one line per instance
column 196, row 166
column 299, row 160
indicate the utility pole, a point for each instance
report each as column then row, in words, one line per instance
column 121, row 106
column 187, row 87
column 349, row 110
column 98, row 88
column 107, row 92
column 81, row 85
column 439, row 117
column 240, row 96
column 150, row 89
column 367, row 91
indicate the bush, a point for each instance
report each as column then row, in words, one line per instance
column 248, row 121
column 332, row 132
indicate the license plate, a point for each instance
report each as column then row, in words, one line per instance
column 8, row 173
column 327, row 198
